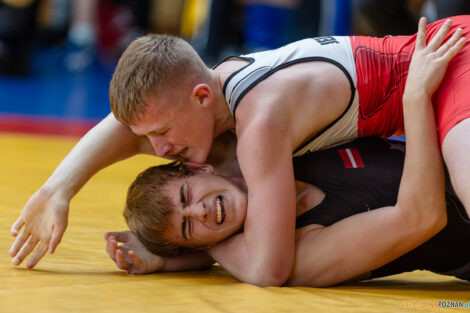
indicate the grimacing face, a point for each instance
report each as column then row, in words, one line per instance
column 208, row 209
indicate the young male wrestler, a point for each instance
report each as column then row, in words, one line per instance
column 331, row 192
column 207, row 209
column 278, row 112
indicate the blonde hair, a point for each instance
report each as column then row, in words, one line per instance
column 150, row 63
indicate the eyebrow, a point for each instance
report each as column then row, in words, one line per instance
column 183, row 224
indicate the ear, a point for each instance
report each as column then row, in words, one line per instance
column 197, row 168
column 202, row 94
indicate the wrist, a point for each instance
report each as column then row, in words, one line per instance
column 158, row 264
column 50, row 190
column 415, row 96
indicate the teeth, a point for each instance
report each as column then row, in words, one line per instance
column 219, row 211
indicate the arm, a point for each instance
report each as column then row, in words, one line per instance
column 133, row 257
column 263, row 253
column 363, row 242
column 45, row 215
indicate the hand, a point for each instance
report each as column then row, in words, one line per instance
column 44, row 218
column 131, row 256
column 429, row 63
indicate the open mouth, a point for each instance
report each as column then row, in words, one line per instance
column 220, row 210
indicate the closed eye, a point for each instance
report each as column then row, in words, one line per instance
column 163, row 133
column 183, row 228
column 186, row 221
column 182, row 197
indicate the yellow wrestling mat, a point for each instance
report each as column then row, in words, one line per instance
column 79, row 277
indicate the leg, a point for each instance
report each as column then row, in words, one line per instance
column 452, row 107
column 456, row 151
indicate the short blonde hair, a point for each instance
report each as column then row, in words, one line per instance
column 148, row 64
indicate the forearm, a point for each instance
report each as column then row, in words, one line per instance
column 196, row 261
column 264, row 253
column 366, row 241
column 353, row 247
column 107, row 143
column 423, row 171
column 421, row 191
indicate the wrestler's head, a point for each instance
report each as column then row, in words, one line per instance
column 176, row 209
column 161, row 89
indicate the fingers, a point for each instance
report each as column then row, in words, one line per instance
column 121, row 262
column 111, row 247
column 19, row 242
column 450, row 43
column 38, row 254
column 421, row 36
column 122, row 236
column 25, row 250
column 57, row 234
column 455, row 49
column 107, row 235
column 437, row 40
column 15, row 228
column 136, row 261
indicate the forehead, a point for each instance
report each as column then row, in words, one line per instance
column 153, row 115
column 172, row 190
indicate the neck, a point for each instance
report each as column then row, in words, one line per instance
column 239, row 182
column 224, row 120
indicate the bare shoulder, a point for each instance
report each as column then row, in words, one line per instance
column 229, row 66
column 293, row 99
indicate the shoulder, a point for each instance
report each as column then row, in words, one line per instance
column 228, row 67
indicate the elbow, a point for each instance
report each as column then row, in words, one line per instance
column 440, row 219
column 266, row 281
column 265, row 276
column 429, row 216
column 315, row 281
column 436, row 216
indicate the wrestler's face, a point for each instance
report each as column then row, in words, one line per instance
column 207, row 209
column 177, row 128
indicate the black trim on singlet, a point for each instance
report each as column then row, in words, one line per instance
column 351, row 99
column 308, row 59
column 241, row 81
column 277, row 68
column 317, row 213
column 250, row 61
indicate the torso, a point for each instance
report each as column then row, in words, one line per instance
column 329, row 89
column 365, row 178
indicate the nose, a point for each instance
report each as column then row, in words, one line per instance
column 199, row 211
column 160, row 145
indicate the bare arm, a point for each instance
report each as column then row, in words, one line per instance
column 366, row 241
column 45, row 215
column 247, row 262
column 263, row 253
column 108, row 142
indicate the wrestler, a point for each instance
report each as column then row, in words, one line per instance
column 162, row 91
column 334, row 187
column 355, row 221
